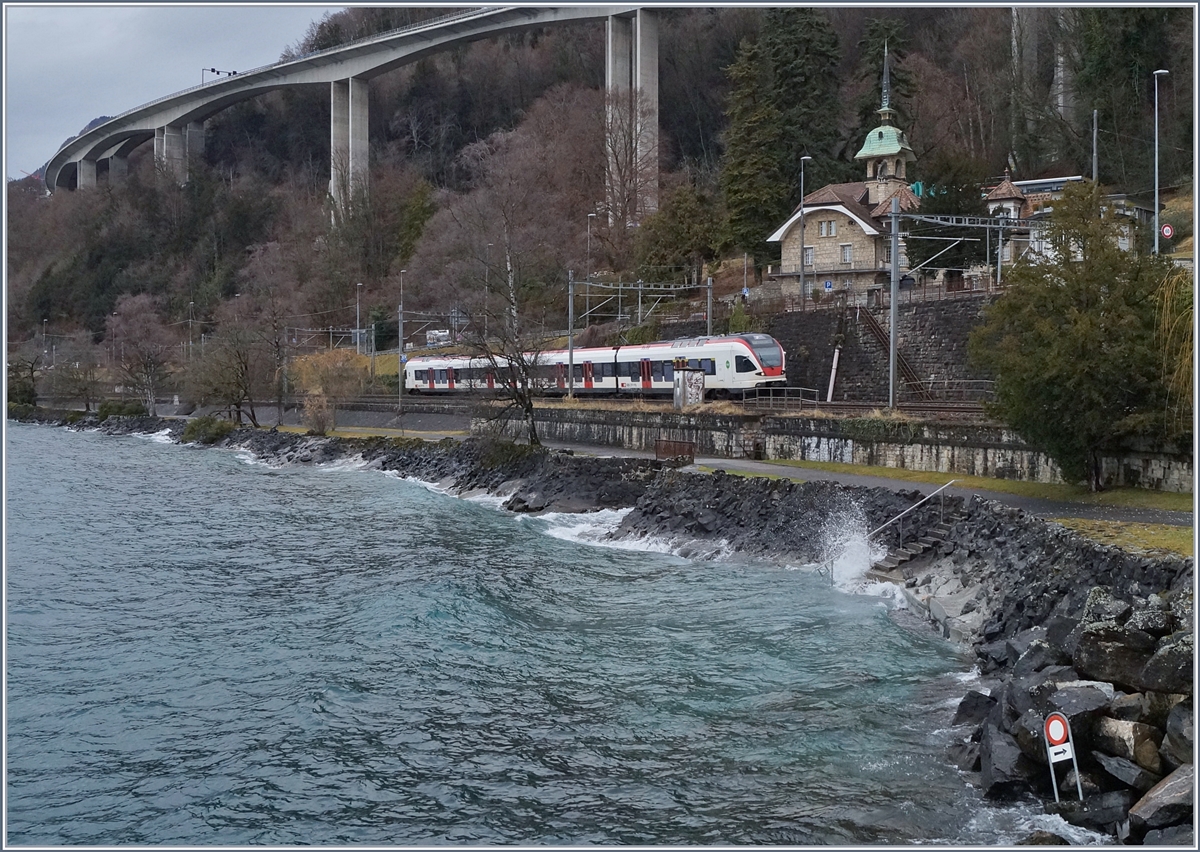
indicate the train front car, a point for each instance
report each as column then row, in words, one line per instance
column 770, row 356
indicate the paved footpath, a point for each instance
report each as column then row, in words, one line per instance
column 434, row 427
column 1033, row 505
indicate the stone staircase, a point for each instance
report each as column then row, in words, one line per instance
column 889, row 567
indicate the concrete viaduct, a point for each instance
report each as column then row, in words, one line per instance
column 176, row 122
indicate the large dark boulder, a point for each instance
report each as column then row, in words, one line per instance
column 1112, row 652
column 1126, row 771
column 973, row 709
column 964, row 755
column 1170, row 802
column 1005, row 772
column 1153, row 617
column 1170, row 668
column 1100, row 813
column 1044, row 838
column 1175, row 835
column 1180, row 739
column 1038, row 655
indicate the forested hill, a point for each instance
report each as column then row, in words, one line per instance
column 487, row 160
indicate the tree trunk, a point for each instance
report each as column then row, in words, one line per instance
column 1095, row 471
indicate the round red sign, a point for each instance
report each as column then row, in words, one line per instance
column 1056, row 729
column 1168, row 231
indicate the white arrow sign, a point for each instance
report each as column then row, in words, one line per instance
column 1060, row 752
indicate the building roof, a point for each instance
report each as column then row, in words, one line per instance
column 908, row 201
column 885, row 141
column 1006, row 191
column 851, row 199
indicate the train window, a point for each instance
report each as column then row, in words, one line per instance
column 694, row 363
column 441, row 375
column 579, row 372
column 668, row 371
column 656, row 370
column 606, row 370
column 419, row 375
column 709, row 366
column 743, row 364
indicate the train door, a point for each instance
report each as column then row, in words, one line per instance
column 645, row 364
column 491, row 380
column 449, row 378
column 560, row 372
column 587, row 375
column 432, row 374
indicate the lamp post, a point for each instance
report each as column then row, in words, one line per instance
column 487, row 290
column 44, row 321
column 357, row 321
column 587, row 286
column 1157, row 74
column 803, row 160
column 400, row 357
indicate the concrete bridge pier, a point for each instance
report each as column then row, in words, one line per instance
column 174, row 145
column 194, row 140
column 631, row 80
column 349, row 151
column 118, row 160
column 86, row 174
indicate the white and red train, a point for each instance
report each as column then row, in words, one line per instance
column 732, row 365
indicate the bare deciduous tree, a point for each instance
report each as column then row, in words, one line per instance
column 144, row 346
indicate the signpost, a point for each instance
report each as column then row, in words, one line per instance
column 1059, row 749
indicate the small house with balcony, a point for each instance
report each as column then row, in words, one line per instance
column 838, row 239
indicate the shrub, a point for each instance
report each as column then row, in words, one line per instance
column 117, row 408
column 206, row 430
column 74, row 416
column 20, row 411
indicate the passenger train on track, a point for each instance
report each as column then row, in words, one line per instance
column 732, row 365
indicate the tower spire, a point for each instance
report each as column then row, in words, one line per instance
column 887, row 88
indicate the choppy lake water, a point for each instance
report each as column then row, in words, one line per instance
column 205, row 650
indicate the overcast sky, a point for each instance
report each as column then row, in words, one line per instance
column 65, row 65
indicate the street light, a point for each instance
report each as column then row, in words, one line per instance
column 1157, row 74
column 487, row 290
column 400, row 356
column 587, row 287
column 357, row 321
column 803, row 160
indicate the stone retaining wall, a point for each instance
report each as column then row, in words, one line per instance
column 973, row 450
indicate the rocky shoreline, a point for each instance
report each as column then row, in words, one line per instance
column 1057, row 622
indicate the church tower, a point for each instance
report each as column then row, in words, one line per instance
column 886, row 150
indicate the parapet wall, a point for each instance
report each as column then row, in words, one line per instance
column 974, row 450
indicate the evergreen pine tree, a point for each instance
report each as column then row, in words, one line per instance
column 756, row 194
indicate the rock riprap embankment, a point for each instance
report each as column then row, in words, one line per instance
column 1058, row 623
column 1062, row 624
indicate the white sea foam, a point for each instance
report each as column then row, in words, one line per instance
column 161, row 437
column 587, row 527
column 1010, row 824
column 484, row 498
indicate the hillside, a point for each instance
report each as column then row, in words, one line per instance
column 500, row 143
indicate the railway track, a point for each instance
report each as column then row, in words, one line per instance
column 969, row 411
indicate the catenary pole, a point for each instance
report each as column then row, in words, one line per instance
column 570, row 334
column 894, row 315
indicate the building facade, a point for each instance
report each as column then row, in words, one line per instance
column 838, row 239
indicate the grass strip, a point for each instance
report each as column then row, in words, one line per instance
column 1134, row 498
column 1142, row 538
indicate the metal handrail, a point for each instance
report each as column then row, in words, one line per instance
column 826, row 567
column 924, row 499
